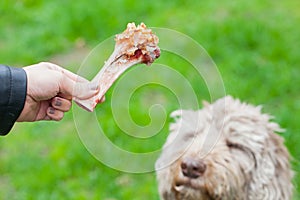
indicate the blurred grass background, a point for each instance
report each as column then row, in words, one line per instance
column 255, row 45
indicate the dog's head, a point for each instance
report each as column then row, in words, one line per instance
column 227, row 150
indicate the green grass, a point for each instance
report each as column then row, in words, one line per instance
column 255, row 45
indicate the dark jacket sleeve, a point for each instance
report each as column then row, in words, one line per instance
column 13, row 88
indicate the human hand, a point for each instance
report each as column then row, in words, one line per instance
column 50, row 90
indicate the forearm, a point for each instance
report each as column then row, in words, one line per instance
column 13, row 87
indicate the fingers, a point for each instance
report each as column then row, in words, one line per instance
column 54, row 114
column 72, row 85
column 79, row 90
column 61, row 104
column 57, row 108
column 85, row 90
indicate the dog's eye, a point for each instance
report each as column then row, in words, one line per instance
column 242, row 149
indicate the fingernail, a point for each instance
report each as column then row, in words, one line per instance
column 51, row 110
column 94, row 87
column 58, row 102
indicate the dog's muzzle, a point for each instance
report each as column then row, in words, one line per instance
column 192, row 168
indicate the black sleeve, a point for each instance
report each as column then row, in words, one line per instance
column 13, row 89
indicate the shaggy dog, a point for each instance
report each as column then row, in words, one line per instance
column 228, row 150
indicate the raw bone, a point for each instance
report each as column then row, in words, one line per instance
column 135, row 45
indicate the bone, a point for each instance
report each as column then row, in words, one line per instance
column 137, row 44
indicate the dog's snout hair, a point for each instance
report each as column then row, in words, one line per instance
column 228, row 150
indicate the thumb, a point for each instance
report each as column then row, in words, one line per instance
column 85, row 90
column 80, row 90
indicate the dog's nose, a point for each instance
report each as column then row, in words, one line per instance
column 192, row 168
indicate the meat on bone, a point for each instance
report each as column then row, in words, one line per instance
column 135, row 45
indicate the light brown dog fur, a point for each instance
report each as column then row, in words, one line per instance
column 228, row 150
